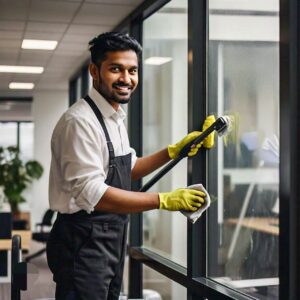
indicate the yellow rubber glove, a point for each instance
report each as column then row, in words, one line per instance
column 182, row 199
column 174, row 149
column 209, row 141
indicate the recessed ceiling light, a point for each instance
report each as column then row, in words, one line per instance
column 39, row 44
column 21, row 85
column 21, row 69
column 157, row 60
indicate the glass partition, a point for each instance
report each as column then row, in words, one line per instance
column 165, row 118
column 244, row 82
column 159, row 287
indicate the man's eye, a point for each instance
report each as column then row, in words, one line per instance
column 133, row 71
column 115, row 69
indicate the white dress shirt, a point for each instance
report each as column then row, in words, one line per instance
column 79, row 163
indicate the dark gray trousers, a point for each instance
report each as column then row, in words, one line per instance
column 87, row 259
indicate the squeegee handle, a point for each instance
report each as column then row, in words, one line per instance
column 219, row 123
column 160, row 174
column 183, row 153
column 187, row 148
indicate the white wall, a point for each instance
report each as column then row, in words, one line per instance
column 47, row 108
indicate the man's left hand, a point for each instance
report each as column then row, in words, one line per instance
column 209, row 141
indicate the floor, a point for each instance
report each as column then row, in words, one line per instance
column 39, row 281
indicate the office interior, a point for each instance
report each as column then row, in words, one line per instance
column 200, row 57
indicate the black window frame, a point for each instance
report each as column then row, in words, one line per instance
column 83, row 74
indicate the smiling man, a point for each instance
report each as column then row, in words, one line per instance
column 90, row 177
column 116, row 77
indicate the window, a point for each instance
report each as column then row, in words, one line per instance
column 237, row 72
column 157, row 286
column 78, row 87
column 26, row 140
column 244, row 81
column 19, row 134
column 165, row 118
column 80, row 84
column 8, row 133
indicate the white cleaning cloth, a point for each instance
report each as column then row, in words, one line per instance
column 194, row 215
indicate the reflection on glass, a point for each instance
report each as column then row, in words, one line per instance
column 244, row 79
column 158, row 287
column 165, row 118
column 8, row 134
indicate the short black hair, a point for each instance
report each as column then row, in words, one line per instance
column 112, row 41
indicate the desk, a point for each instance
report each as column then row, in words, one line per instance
column 5, row 244
column 5, row 248
column 266, row 225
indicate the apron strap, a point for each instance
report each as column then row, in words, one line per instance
column 100, row 118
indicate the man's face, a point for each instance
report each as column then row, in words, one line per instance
column 117, row 76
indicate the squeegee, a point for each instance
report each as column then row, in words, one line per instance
column 222, row 125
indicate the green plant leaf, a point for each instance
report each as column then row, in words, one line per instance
column 34, row 169
column 13, row 149
column 15, row 175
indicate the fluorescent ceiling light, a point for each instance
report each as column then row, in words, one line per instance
column 157, row 60
column 21, row 85
column 21, row 69
column 39, row 44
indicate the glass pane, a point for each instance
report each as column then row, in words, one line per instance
column 243, row 172
column 8, row 134
column 78, row 88
column 26, row 140
column 158, row 287
column 165, row 118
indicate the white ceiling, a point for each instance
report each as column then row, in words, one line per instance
column 71, row 22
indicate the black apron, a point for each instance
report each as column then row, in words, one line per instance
column 86, row 252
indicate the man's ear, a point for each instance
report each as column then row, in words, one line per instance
column 93, row 71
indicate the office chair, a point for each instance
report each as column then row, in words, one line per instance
column 18, row 269
column 41, row 235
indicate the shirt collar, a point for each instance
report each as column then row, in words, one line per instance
column 106, row 109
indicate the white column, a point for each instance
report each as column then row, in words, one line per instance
column 47, row 107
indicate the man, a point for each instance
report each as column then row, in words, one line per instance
column 90, row 177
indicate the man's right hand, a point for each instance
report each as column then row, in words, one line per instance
column 182, row 199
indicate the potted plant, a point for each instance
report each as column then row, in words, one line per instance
column 16, row 175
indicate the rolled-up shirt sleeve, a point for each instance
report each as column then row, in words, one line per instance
column 133, row 157
column 81, row 164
